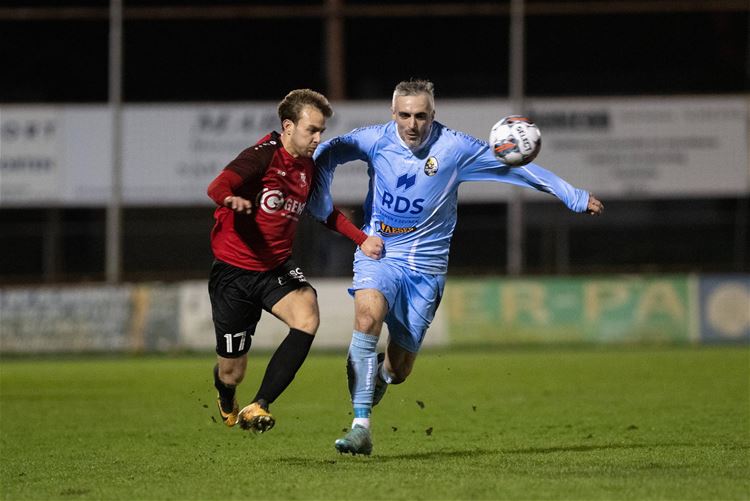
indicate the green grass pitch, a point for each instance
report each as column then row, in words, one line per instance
column 629, row 423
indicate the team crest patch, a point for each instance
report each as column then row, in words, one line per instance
column 431, row 166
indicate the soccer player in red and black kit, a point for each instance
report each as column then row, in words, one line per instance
column 261, row 195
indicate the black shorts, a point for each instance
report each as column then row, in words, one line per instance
column 238, row 296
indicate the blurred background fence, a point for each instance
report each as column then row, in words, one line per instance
column 646, row 104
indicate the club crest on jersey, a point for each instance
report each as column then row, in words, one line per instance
column 431, row 166
column 303, row 179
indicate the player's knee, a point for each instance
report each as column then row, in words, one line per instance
column 308, row 324
column 301, row 312
column 367, row 323
column 308, row 321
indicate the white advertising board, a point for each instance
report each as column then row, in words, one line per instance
column 173, row 152
column 31, row 148
column 647, row 147
column 55, row 155
column 196, row 329
column 615, row 147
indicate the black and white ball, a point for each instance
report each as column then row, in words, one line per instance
column 516, row 140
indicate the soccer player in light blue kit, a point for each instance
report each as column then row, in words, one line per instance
column 415, row 166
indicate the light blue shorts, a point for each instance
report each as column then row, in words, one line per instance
column 413, row 297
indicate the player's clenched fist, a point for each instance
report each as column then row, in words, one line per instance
column 372, row 247
column 595, row 207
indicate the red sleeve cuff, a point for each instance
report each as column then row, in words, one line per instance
column 340, row 223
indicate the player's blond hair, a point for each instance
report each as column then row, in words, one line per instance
column 290, row 108
column 414, row 87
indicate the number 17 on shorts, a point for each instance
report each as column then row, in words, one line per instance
column 235, row 342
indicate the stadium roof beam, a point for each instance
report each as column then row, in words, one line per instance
column 339, row 8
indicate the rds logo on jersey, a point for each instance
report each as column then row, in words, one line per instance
column 399, row 204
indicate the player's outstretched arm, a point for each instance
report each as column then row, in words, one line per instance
column 595, row 207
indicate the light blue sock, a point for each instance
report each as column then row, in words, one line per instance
column 364, row 361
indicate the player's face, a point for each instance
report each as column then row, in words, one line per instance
column 413, row 116
column 301, row 139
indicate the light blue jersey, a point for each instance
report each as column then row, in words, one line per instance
column 413, row 195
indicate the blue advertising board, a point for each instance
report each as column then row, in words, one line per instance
column 725, row 308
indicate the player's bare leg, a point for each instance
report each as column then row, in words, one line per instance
column 228, row 373
column 394, row 367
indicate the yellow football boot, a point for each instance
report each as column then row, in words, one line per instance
column 256, row 418
column 229, row 418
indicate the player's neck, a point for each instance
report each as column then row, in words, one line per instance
column 286, row 143
column 418, row 147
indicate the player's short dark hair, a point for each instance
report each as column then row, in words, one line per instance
column 415, row 87
column 290, row 108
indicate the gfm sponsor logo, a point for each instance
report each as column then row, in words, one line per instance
column 271, row 201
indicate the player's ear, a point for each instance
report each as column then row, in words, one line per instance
column 287, row 126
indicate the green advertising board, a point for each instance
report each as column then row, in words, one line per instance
column 612, row 309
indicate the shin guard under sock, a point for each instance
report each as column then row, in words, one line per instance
column 283, row 365
column 363, row 361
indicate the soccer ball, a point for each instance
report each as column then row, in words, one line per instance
column 516, row 140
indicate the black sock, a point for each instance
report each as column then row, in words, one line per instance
column 284, row 364
column 226, row 392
